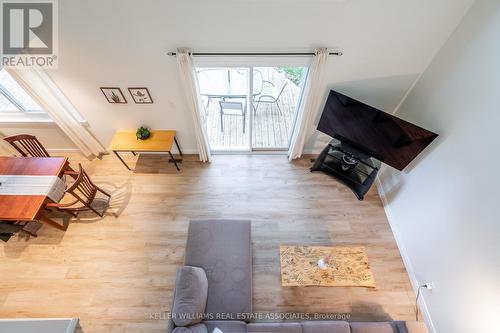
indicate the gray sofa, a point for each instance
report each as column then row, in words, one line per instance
column 223, row 250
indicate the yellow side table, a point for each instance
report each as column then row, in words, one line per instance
column 160, row 141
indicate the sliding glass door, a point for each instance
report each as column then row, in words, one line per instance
column 277, row 93
column 242, row 119
column 224, row 95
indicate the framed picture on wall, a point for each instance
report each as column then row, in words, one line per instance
column 114, row 95
column 141, row 95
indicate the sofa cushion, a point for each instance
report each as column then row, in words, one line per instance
column 274, row 327
column 372, row 327
column 223, row 249
column 325, row 327
column 190, row 296
column 198, row 328
column 226, row 326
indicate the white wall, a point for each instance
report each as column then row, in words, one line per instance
column 124, row 43
column 50, row 135
column 444, row 211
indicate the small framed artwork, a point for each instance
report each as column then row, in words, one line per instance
column 141, row 95
column 114, row 95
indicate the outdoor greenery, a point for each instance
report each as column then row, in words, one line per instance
column 294, row 74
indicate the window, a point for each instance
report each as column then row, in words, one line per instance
column 240, row 118
column 16, row 104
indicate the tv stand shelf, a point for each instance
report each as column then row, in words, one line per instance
column 354, row 169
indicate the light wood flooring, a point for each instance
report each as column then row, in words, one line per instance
column 116, row 273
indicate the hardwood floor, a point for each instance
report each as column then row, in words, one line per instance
column 116, row 273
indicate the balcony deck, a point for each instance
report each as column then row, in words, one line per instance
column 271, row 127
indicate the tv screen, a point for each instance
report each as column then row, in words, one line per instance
column 387, row 138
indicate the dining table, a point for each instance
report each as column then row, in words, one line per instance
column 25, row 205
column 228, row 83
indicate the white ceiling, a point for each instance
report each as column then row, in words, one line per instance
column 386, row 43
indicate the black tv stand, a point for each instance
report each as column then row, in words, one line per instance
column 354, row 168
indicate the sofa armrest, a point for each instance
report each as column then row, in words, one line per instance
column 170, row 326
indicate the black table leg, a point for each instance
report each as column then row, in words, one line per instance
column 119, row 157
column 173, row 160
column 177, row 144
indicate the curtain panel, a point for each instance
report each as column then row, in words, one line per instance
column 44, row 91
column 191, row 89
column 310, row 105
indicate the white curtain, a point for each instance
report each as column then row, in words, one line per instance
column 4, row 146
column 310, row 105
column 190, row 85
column 45, row 92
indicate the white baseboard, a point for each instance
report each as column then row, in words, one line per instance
column 184, row 152
column 76, row 150
column 406, row 258
column 63, row 150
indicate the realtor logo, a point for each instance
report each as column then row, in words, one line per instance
column 29, row 33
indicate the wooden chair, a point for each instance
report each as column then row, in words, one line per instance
column 84, row 191
column 27, row 145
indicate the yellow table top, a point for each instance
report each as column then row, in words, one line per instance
column 159, row 140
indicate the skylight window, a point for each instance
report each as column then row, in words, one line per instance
column 6, row 105
column 14, row 99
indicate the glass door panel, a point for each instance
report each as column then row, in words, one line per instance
column 224, row 95
column 276, row 95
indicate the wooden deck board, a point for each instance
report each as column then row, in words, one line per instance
column 271, row 128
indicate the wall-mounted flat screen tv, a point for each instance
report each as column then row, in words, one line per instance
column 387, row 138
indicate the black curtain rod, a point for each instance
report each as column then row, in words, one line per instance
column 253, row 54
